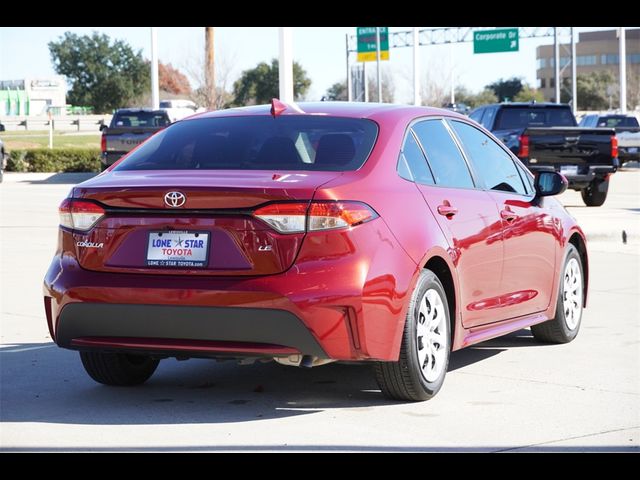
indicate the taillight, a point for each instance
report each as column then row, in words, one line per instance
column 524, row 146
column 79, row 214
column 327, row 215
column 103, row 143
column 614, row 146
column 284, row 217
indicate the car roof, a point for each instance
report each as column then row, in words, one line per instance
column 374, row 111
column 136, row 110
column 528, row 104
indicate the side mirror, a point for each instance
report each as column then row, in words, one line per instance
column 550, row 183
column 103, row 127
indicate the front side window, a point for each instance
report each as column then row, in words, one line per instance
column 447, row 163
column 496, row 168
column 291, row 142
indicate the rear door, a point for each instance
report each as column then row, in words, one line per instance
column 529, row 232
column 468, row 218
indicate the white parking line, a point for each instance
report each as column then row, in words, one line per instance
column 7, row 349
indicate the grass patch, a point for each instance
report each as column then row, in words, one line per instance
column 40, row 139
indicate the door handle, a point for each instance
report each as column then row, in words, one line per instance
column 447, row 210
column 508, row 215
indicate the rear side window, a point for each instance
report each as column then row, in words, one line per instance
column 523, row 117
column 487, row 120
column 291, row 142
column 413, row 158
column 490, row 161
column 476, row 115
column 447, row 164
column 140, row 119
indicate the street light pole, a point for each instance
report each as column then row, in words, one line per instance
column 155, row 88
column 623, row 70
column 349, row 92
column 556, row 55
column 416, row 67
column 574, row 86
column 286, row 65
column 378, row 62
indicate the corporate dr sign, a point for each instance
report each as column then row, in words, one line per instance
column 492, row 41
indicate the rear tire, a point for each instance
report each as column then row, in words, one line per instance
column 564, row 327
column 426, row 343
column 596, row 193
column 118, row 369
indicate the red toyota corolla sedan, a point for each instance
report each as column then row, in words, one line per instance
column 313, row 233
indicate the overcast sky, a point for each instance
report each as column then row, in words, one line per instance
column 320, row 50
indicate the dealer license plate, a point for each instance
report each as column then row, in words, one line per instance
column 178, row 249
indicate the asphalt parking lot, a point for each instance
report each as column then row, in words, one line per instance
column 508, row 394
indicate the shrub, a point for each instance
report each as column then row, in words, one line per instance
column 54, row 160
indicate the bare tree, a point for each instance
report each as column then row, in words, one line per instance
column 219, row 98
column 388, row 86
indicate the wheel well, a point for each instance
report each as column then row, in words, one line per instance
column 438, row 266
column 576, row 241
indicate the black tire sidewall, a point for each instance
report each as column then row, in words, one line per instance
column 428, row 280
column 560, row 318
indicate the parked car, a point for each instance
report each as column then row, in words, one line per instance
column 178, row 109
column 627, row 132
column 129, row 127
column 378, row 233
column 546, row 136
column 458, row 107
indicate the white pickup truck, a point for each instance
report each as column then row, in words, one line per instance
column 627, row 133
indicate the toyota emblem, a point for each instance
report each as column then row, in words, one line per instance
column 175, row 199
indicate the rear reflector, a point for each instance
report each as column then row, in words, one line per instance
column 524, row 146
column 614, row 146
column 103, row 143
column 79, row 214
column 300, row 217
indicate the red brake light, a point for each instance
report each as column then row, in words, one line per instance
column 79, row 214
column 524, row 146
column 103, row 143
column 614, row 146
column 298, row 217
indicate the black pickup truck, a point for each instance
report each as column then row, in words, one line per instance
column 546, row 136
column 129, row 127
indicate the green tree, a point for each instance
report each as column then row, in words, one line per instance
column 528, row 94
column 102, row 74
column 592, row 90
column 506, row 89
column 337, row 92
column 473, row 100
column 260, row 84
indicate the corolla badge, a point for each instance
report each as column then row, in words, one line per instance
column 175, row 199
column 89, row 244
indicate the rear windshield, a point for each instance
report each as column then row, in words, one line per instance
column 140, row 119
column 514, row 117
column 292, row 142
column 612, row 122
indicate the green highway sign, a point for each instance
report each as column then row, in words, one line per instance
column 492, row 41
column 367, row 44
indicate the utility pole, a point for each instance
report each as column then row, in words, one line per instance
column 155, row 84
column 378, row 63
column 574, row 86
column 285, row 67
column 556, row 63
column 623, row 70
column 209, row 68
column 416, row 68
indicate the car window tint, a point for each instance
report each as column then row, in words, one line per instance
column 476, row 115
column 414, row 160
column 444, row 157
column 290, row 142
column 490, row 161
column 140, row 119
column 487, row 120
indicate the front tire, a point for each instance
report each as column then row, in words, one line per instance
column 596, row 193
column 426, row 343
column 564, row 327
column 118, row 369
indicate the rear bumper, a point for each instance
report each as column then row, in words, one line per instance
column 201, row 330
column 346, row 306
column 586, row 175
